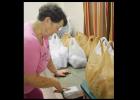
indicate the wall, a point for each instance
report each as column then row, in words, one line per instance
column 72, row 9
column 31, row 9
column 75, row 11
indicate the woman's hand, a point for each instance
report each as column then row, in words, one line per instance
column 57, row 85
column 61, row 73
column 64, row 89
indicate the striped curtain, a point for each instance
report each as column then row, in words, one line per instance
column 99, row 19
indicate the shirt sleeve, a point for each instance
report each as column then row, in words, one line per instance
column 31, row 56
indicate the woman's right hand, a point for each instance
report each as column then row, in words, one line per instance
column 57, row 85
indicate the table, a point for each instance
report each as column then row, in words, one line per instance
column 87, row 91
column 74, row 79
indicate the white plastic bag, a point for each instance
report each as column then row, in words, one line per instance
column 107, row 46
column 76, row 57
column 59, row 53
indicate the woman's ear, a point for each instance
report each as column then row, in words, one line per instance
column 47, row 20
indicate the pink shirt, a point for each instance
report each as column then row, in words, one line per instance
column 36, row 57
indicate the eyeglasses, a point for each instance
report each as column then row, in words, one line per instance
column 60, row 29
column 58, row 26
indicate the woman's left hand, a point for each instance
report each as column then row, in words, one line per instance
column 61, row 73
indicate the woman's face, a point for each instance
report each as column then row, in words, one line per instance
column 51, row 27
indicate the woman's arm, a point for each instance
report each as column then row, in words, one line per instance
column 57, row 73
column 42, row 82
column 51, row 66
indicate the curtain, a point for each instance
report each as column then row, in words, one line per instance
column 99, row 19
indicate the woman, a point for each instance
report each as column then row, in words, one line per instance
column 36, row 51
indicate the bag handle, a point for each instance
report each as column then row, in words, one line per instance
column 91, row 38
